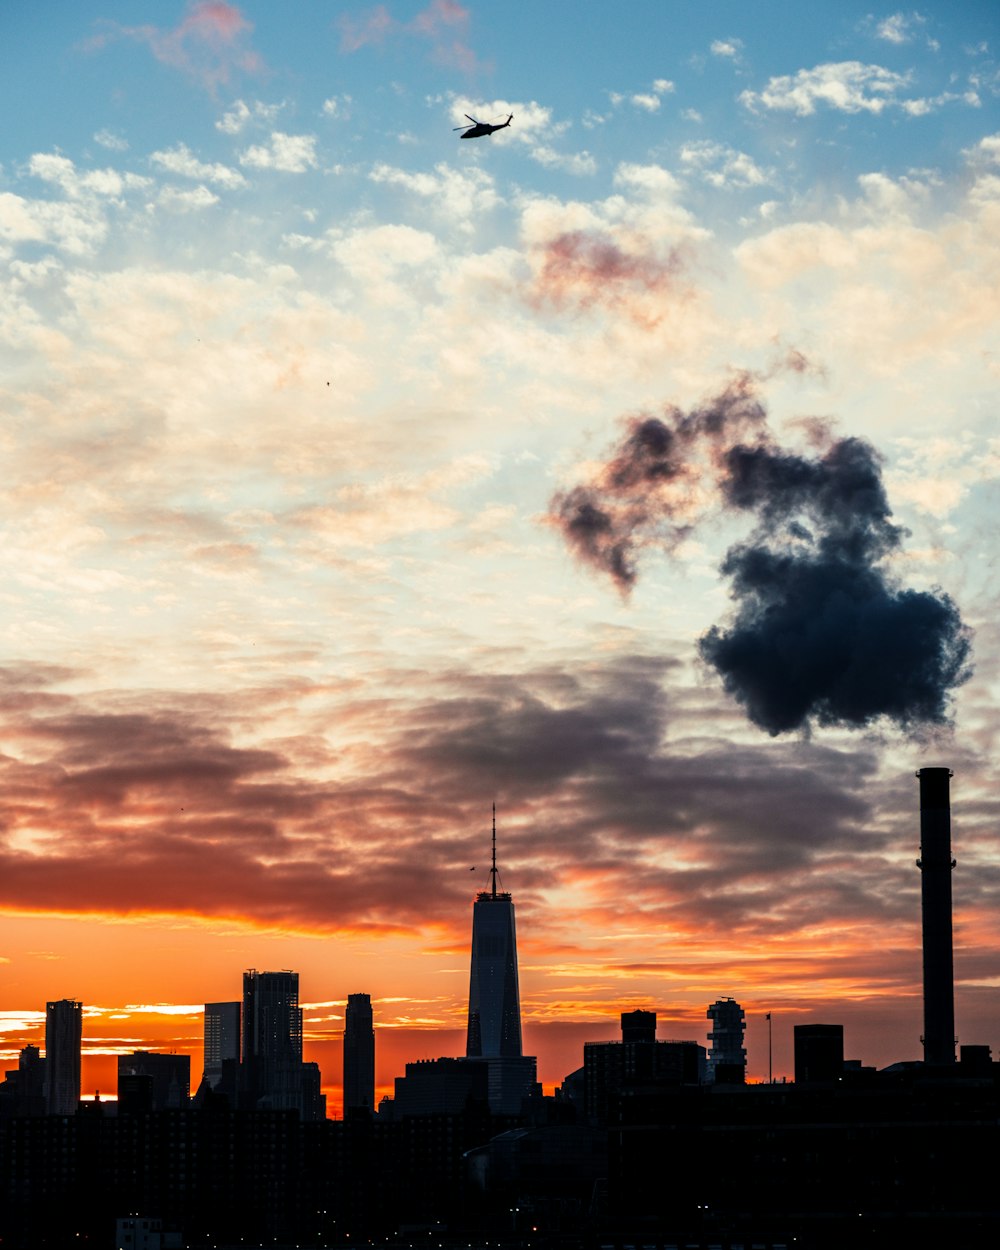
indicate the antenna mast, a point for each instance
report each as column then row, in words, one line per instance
column 493, row 870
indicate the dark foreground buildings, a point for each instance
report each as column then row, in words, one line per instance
column 863, row 1158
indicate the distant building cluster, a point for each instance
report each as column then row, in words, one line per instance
column 649, row 1142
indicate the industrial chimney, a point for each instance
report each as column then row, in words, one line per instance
column 935, row 864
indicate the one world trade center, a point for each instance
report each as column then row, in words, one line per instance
column 494, row 1001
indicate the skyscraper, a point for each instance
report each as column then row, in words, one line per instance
column 727, row 1060
column 63, row 1036
column 222, row 1039
column 272, row 1040
column 359, row 1054
column 494, row 1002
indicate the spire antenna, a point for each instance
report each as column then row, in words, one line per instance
column 493, row 869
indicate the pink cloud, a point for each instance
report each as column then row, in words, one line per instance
column 210, row 43
column 583, row 269
column 443, row 23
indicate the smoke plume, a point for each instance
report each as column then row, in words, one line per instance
column 821, row 630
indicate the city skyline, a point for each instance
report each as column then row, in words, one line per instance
column 358, row 477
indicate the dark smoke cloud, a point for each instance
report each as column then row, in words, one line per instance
column 822, row 632
column 645, row 494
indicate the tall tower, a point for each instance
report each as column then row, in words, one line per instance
column 494, row 1001
column 63, row 1037
column 359, row 1054
column 272, row 1039
column 935, row 864
column 222, row 1039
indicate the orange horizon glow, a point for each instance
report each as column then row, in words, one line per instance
column 565, row 1001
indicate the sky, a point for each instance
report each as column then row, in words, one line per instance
column 634, row 469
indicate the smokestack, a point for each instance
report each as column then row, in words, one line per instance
column 935, row 864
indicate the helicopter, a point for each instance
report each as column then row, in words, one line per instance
column 478, row 129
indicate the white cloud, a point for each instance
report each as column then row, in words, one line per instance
column 730, row 48
column 569, row 162
column 899, row 28
column 180, row 160
column 650, row 103
column 60, row 170
column 986, row 150
column 108, row 139
column 292, row 154
column 460, row 195
column 652, row 178
column 242, row 114
column 187, row 200
column 77, row 224
column 232, row 123
column 337, row 106
column 722, row 166
column 73, row 228
column 848, row 86
column 375, row 255
column 592, row 120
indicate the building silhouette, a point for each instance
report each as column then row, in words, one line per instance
column 819, row 1052
column 727, row 1060
column 169, row 1084
column 222, row 1040
column 271, row 1074
column 23, row 1088
column 359, row 1054
column 637, row 1061
column 63, row 1037
column 494, row 1028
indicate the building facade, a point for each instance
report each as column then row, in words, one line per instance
column 222, row 1039
column 359, row 1054
column 63, row 1040
column 271, row 1074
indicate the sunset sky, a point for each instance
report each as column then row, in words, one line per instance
column 330, row 517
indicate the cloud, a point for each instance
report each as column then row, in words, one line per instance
column 185, row 201
column 899, row 28
column 113, row 142
column 729, row 49
column 290, row 154
column 242, row 115
column 461, row 195
column 144, row 805
column 337, row 106
column 443, row 25
column 646, row 101
column 78, row 224
column 582, row 268
column 722, row 166
column 822, row 632
column 209, row 44
column 570, row 162
column 847, row 86
column 181, row 160
column 97, row 183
